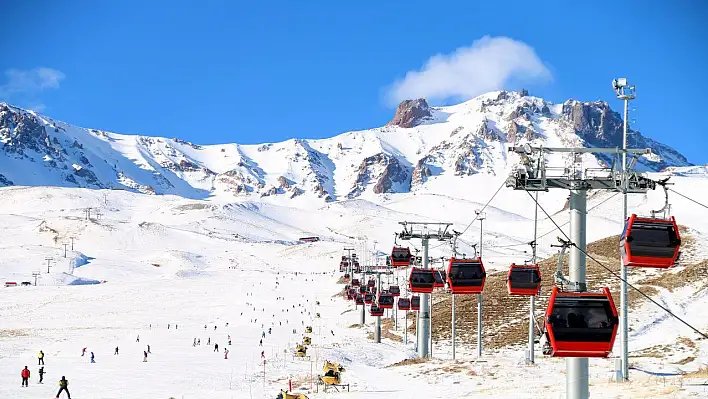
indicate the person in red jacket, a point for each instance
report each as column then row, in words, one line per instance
column 25, row 376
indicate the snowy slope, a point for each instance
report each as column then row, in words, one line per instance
column 179, row 261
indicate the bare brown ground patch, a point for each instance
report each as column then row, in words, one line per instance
column 386, row 326
column 700, row 373
column 14, row 333
column 408, row 362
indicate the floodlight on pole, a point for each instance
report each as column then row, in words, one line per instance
column 625, row 92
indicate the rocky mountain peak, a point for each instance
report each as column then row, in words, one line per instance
column 410, row 113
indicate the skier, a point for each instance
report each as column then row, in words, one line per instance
column 116, row 351
column 260, row 343
column 168, row 326
column 137, row 339
column 63, row 386
column 209, row 341
column 216, row 347
column 199, row 341
column 270, row 329
column 145, row 356
column 229, row 339
column 149, row 349
column 263, row 335
column 40, row 357
column 214, row 328
column 205, row 326
column 41, row 375
column 262, row 354
column 83, row 351
column 194, row 343
column 332, row 331
column 25, row 376
column 226, row 353
column 175, row 326
column 92, row 358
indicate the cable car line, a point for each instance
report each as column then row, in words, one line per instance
column 484, row 207
column 614, row 274
column 596, row 206
column 688, row 198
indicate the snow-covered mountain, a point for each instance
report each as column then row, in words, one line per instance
column 420, row 145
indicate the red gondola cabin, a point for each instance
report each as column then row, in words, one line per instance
column 368, row 298
column 376, row 310
column 415, row 302
column 648, row 242
column 466, row 276
column 581, row 324
column 421, row 280
column 523, row 280
column 404, row 304
column 395, row 290
column 355, row 282
column 359, row 300
column 400, row 257
column 386, row 300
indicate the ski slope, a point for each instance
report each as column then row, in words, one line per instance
column 150, row 261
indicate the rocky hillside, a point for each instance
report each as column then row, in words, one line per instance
column 421, row 144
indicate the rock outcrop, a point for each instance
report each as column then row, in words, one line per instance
column 384, row 172
column 410, row 113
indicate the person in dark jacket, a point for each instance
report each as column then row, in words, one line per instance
column 216, row 347
column 63, row 387
column 145, row 356
column 25, row 376
column 41, row 375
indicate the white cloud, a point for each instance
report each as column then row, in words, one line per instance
column 487, row 65
column 29, row 82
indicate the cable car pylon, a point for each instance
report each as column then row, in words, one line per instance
column 424, row 231
column 531, row 175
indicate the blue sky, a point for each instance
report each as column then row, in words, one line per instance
column 249, row 72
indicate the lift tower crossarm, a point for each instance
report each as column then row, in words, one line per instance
column 532, row 174
column 421, row 230
column 579, row 150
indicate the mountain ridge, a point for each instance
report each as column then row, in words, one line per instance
column 434, row 143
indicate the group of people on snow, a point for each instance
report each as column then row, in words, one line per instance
column 25, row 374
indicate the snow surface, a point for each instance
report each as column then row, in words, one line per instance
column 150, row 261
